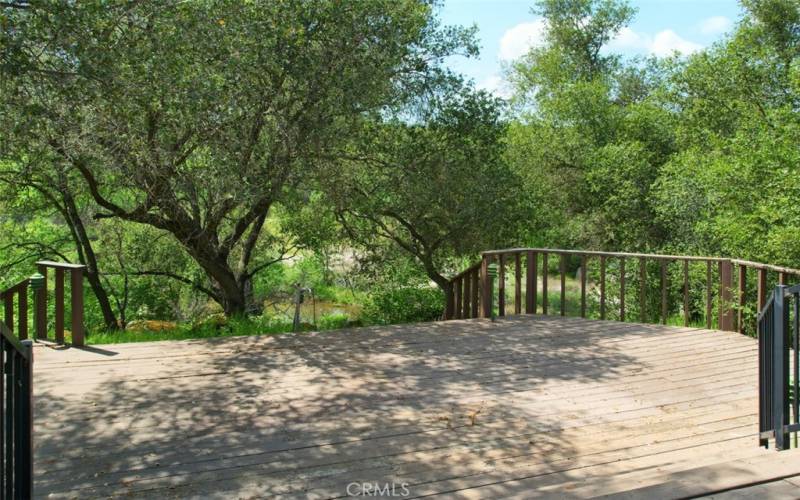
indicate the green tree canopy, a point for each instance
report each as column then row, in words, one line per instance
column 432, row 181
column 195, row 117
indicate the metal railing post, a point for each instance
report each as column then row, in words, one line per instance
column 780, row 365
column 25, row 465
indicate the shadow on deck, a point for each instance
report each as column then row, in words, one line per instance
column 532, row 406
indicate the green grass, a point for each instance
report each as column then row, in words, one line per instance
column 278, row 325
column 232, row 327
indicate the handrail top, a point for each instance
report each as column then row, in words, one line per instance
column 20, row 285
column 602, row 253
column 466, row 271
column 9, row 337
column 62, row 265
column 746, row 263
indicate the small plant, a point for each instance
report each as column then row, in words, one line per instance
column 333, row 321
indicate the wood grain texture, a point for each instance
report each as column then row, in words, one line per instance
column 529, row 406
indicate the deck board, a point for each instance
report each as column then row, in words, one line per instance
column 529, row 406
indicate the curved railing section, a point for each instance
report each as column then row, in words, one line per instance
column 15, row 303
column 730, row 299
column 779, row 367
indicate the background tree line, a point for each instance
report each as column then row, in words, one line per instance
column 213, row 154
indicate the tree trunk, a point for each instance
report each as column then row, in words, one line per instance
column 229, row 293
column 254, row 307
column 444, row 285
column 88, row 258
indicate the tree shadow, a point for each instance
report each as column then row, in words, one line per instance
column 427, row 408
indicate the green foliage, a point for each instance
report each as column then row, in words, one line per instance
column 333, row 321
column 434, row 184
column 591, row 135
column 196, row 118
column 193, row 153
column 403, row 305
column 231, row 327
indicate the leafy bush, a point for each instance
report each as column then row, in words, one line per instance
column 403, row 305
column 333, row 321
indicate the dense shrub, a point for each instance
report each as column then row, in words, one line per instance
column 333, row 321
column 403, row 305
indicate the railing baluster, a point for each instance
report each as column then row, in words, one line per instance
column 41, row 305
column 8, row 305
column 742, row 296
column 467, row 279
column 22, row 312
column 725, row 299
column 486, row 289
column 764, row 389
column 719, row 296
column 25, row 425
column 545, row 272
column 59, row 286
column 9, row 422
column 563, row 272
column 457, row 298
column 475, row 291
column 664, row 305
column 501, row 287
column 685, row 293
column 3, row 414
column 449, row 307
column 796, row 370
column 76, row 306
column 762, row 288
column 602, row 287
column 708, row 294
column 517, row 284
column 642, row 289
column 583, row 286
column 622, row 289
column 14, row 416
column 531, row 283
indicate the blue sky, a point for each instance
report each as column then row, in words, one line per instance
column 506, row 28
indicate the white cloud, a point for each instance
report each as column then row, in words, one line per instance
column 518, row 40
column 627, row 39
column 664, row 43
column 496, row 85
column 715, row 25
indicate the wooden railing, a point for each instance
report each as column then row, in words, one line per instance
column 19, row 292
column 76, row 301
column 472, row 290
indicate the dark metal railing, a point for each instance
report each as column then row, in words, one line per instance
column 778, row 369
column 16, row 428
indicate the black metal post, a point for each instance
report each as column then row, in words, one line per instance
column 780, row 357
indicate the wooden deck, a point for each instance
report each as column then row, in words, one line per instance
column 525, row 407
